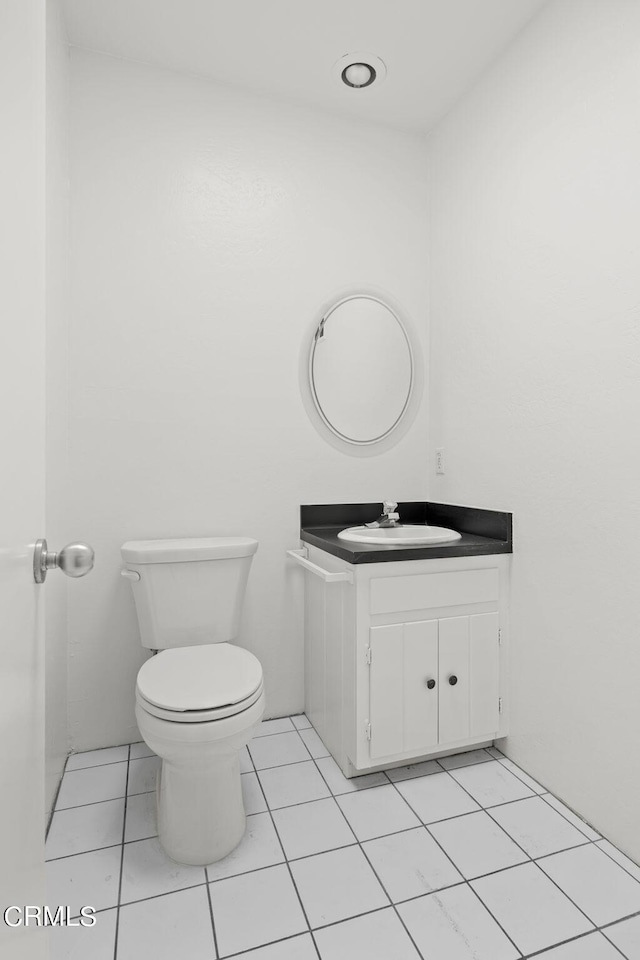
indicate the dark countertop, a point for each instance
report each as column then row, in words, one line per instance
column 483, row 532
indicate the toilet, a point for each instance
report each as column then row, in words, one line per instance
column 200, row 699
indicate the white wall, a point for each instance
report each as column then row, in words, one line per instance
column 207, row 229
column 57, row 312
column 535, row 313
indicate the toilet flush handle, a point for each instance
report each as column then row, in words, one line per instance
column 130, row 575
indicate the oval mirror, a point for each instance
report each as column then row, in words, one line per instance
column 361, row 369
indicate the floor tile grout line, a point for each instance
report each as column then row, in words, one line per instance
column 488, row 810
column 531, row 860
column 278, row 766
column 597, row 844
column 213, row 922
column 595, row 925
column 295, row 885
column 92, row 803
column 297, row 732
column 491, row 914
column 613, row 923
column 166, row 893
column 405, row 779
column 525, row 774
column 583, row 843
column 375, row 873
column 579, row 936
column 363, row 852
column 95, row 803
column 544, row 796
column 607, row 926
column 460, row 883
column 456, row 868
column 384, row 772
column 315, row 799
column 74, row 806
column 564, row 892
column 333, row 796
column 271, row 943
column 499, row 825
column 243, row 873
column 307, row 856
column 457, row 769
column 355, row 842
column 387, row 906
column 96, row 766
column 549, row 855
column 616, row 947
column 257, row 771
column 124, row 827
column 253, row 766
column 258, row 813
column 113, row 906
column 80, row 853
column 463, row 766
column 277, row 733
column 586, row 842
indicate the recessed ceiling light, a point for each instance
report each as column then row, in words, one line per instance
column 358, row 75
column 359, row 70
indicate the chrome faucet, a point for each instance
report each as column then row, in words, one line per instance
column 389, row 516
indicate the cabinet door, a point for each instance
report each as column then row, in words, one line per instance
column 469, row 655
column 454, row 679
column 386, row 676
column 484, row 674
column 403, row 709
column 420, row 701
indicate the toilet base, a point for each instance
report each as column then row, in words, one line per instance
column 200, row 808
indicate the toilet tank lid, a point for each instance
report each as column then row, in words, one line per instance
column 193, row 548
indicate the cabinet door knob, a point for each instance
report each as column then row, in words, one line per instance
column 431, row 684
column 453, row 680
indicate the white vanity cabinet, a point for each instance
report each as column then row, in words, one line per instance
column 405, row 660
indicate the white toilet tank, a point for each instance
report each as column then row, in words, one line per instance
column 189, row 591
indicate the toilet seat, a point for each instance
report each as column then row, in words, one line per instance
column 199, row 716
column 199, row 684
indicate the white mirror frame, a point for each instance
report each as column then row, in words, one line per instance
column 362, row 448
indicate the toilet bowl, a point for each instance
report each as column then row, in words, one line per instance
column 200, row 699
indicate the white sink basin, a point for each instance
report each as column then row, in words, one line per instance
column 406, row 535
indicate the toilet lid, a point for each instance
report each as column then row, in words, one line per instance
column 200, row 678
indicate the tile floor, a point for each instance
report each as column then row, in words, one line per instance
column 465, row 858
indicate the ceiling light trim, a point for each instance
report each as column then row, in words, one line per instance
column 377, row 67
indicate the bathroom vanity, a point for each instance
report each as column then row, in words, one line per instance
column 405, row 647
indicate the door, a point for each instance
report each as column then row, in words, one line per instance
column 469, row 677
column 403, row 695
column 454, row 679
column 484, row 671
column 432, row 683
column 22, row 130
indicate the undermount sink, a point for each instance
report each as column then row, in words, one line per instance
column 405, row 535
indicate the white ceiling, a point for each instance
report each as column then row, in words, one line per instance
column 434, row 49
